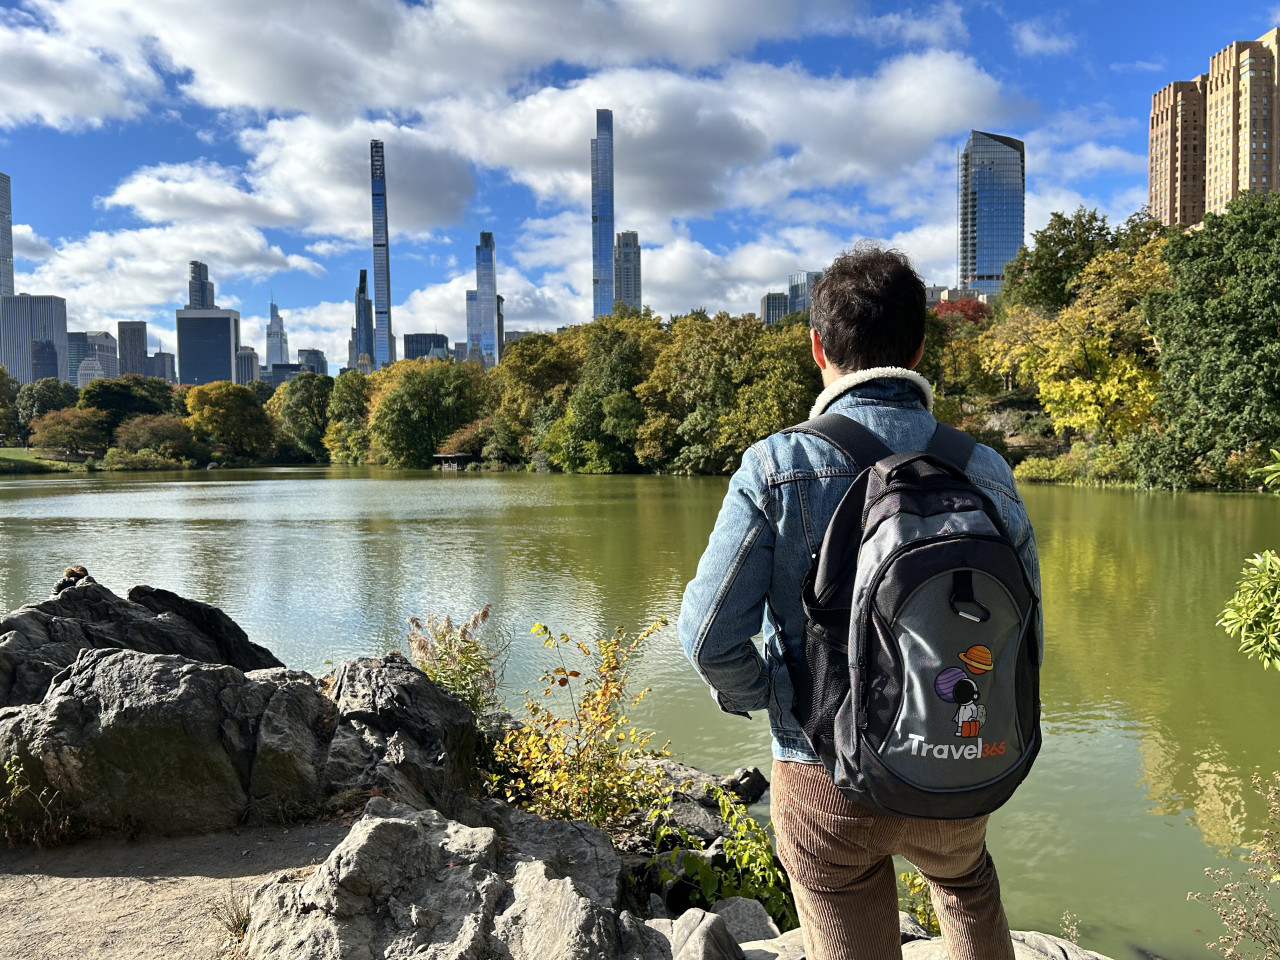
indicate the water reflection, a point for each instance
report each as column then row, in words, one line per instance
column 1154, row 723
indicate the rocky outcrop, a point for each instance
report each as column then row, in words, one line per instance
column 39, row 640
column 168, row 745
column 1026, row 946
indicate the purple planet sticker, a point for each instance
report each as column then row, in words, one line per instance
column 945, row 685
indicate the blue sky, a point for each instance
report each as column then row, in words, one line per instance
column 753, row 138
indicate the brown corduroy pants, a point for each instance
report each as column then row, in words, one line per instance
column 840, row 860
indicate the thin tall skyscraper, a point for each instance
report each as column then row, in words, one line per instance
column 474, row 352
column 132, row 337
column 360, row 350
column 626, row 269
column 487, row 301
column 6, row 238
column 277, row 339
column 384, row 339
column 602, row 215
column 991, row 202
column 199, row 288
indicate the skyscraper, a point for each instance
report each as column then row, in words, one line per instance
column 800, row 288
column 602, row 215
column 277, row 339
column 474, row 351
column 104, row 348
column 360, row 347
column 27, row 325
column 991, row 209
column 6, row 238
column 247, row 369
column 384, row 339
column 133, row 346
column 486, row 308
column 626, row 269
column 314, row 360
column 208, row 336
column 773, row 307
column 428, row 345
column 1210, row 138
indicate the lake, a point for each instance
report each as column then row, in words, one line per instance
column 1153, row 722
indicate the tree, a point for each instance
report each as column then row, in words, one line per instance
column 778, row 382
column 9, row 427
column 229, row 415
column 416, row 405
column 71, row 430
column 262, row 389
column 536, row 371
column 1041, row 277
column 347, row 438
column 304, row 413
column 129, row 396
column 1217, row 328
column 161, row 433
column 38, row 398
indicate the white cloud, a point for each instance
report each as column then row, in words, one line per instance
column 29, row 245
column 942, row 25
column 1036, row 37
column 1139, row 66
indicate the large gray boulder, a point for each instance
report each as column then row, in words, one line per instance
column 144, row 742
column 39, row 640
column 1026, row 946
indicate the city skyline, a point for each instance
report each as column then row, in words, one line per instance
column 747, row 147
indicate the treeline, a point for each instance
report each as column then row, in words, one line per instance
column 1128, row 354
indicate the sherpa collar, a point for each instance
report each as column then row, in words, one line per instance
column 851, row 380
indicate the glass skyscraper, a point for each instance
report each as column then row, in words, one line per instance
column 626, row 269
column 800, row 289
column 486, row 311
column 360, row 349
column 6, row 238
column 277, row 339
column 384, row 339
column 602, row 291
column 991, row 209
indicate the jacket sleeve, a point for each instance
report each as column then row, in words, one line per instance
column 723, row 606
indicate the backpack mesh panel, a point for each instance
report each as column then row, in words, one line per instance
column 827, row 663
column 885, row 688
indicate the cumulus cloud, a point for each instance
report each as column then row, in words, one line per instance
column 942, row 25
column 29, row 245
column 1038, row 37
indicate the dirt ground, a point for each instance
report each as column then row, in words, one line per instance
column 146, row 899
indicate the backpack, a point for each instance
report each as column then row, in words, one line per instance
column 919, row 683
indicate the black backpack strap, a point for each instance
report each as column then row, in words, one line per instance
column 953, row 447
column 847, row 435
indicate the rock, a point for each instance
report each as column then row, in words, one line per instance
column 39, row 640
column 789, row 946
column 694, row 818
column 698, row 935
column 746, row 919
column 569, row 849
column 910, row 928
column 748, row 783
column 398, row 731
column 1026, row 946
column 141, row 741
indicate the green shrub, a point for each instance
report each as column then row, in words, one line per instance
column 751, row 870
column 1253, row 614
column 117, row 459
column 585, row 763
column 914, row 899
column 460, row 659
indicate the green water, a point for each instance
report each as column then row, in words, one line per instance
column 1154, row 724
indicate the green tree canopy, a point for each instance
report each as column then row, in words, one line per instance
column 39, row 397
column 304, row 414
column 347, row 437
column 229, row 415
column 262, row 389
column 162, row 433
column 1041, row 277
column 1218, row 334
column 417, row 405
column 128, row 396
column 9, row 425
column 70, row 430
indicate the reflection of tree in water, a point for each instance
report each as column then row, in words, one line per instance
column 1132, row 586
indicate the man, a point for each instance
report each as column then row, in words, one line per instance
column 867, row 319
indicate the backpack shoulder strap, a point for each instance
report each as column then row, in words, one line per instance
column 953, row 447
column 847, row 435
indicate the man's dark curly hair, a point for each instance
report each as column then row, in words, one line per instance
column 868, row 309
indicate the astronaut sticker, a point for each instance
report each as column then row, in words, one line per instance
column 954, row 685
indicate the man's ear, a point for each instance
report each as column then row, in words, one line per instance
column 819, row 355
column 915, row 361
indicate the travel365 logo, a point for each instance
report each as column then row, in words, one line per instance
column 959, row 686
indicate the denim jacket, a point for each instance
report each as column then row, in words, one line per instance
column 772, row 523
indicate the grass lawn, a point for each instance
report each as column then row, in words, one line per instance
column 15, row 460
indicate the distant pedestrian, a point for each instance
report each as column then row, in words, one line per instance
column 73, row 576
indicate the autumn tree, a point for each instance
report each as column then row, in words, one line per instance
column 229, row 415
column 71, row 430
column 415, row 405
column 128, row 396
column 40, row 396
column 1041, row 277
column 346, row 438
column 161, row 433
column 9, row 426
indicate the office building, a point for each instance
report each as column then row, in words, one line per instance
column 800, row 288
column 44, row 359
column 500, row 323
column 602, row 215
column 474, row 352
column 990, row 209
column 384, row 341
column 419, row 345
column 89, row 371
column 103, row 347
column 247, row 369
column 208, row 335
column 773, row 307
column 77, row 350
column 132, row 336
column 1210, row 137
column 314, row 360
column 27, row 323
column 161, row 364
column 6, row 238
column 484, row 340
column 277, row 339
column 626, row 269
column 279, row 373
column 511, row 336
column 459, row 351
column 360, row 349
